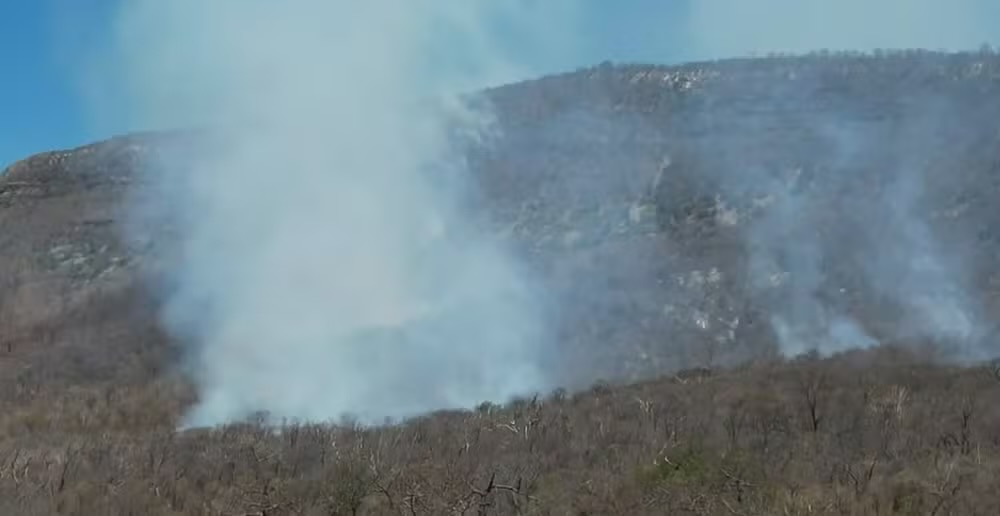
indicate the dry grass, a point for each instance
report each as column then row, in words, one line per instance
column 878, row 432
column 89, row 403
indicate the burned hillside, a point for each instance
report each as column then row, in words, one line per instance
column 702, row 201
column 673, row 211
column 732, row 222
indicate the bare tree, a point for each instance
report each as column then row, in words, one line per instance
column 812, row 385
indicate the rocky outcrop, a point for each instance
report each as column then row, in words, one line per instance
column 674, row 212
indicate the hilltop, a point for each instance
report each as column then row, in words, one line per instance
column 697, row 226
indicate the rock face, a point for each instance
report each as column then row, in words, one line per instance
column 704, row 214
column 680, row 216
column 72, row 283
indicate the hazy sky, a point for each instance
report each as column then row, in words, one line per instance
column 47, row 46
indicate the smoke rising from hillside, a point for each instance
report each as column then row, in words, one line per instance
column 880, row 233
column 890, row 241
column 329, row 263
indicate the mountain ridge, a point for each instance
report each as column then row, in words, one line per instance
column 614, row 162
column 773, row 284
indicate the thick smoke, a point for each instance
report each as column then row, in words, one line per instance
column 331, row 262
column 886, row 237
column 865, row 216
column 330, row 265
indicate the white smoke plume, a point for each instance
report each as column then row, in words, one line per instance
column 330, row 265
column 893, row 247
column 885, row 238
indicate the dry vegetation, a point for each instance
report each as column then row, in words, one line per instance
column 90, row 397
column 91, row 429
column 883, row 432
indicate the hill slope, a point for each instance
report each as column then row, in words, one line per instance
column 696, row 216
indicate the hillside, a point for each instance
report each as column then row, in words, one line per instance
column 697, row 227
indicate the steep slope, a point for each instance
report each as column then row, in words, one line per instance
column 677, row 213
column 831, row 175
column 74, row 307
column 683, row 217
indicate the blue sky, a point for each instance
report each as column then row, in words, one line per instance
column 41, row 105
column 44, row 42
column 37, row 106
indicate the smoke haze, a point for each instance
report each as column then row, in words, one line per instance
column 893, row 247
column 331, row 263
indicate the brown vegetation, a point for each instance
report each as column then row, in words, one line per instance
column 90, row 397
column 881, row 432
